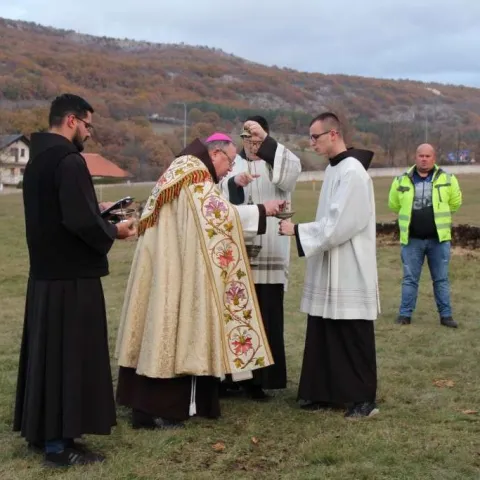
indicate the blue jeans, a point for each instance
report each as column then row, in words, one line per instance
column 438, row 257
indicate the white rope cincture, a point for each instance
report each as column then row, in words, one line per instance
column 193, row 405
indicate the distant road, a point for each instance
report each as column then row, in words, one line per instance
column 316, row 176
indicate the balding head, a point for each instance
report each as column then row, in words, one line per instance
column 426, row 147
column 425, row 158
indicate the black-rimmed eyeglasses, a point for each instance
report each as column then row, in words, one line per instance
column 89, row 126
column 315, row 136
column 230, row 160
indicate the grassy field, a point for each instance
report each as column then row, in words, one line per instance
column 424, row 430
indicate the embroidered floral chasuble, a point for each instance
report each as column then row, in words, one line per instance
column 190, row 306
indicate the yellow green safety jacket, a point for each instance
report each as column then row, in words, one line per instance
column 446, row 199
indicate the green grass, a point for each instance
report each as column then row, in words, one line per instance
column 421, row 432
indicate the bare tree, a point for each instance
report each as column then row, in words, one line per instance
column 410, row 138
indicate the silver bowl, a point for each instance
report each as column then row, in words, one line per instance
column 122, row 215
column 285, row 215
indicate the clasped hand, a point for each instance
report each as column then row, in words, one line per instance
column 286, row 227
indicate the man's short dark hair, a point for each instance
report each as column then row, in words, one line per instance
column 68, row 104
column 329, row 117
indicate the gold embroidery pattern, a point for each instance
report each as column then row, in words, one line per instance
column 183, row 172
column 243, row 327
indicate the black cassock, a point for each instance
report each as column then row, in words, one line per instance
column 168, row 398
column 270, row 299
column 64, row 384
column 339, row 363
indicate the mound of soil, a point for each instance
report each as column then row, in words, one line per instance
column 464, row 235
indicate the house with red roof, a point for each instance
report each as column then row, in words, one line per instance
column 100, row 167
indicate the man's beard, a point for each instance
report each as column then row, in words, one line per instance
column 78, row 142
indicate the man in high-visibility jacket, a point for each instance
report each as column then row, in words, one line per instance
column 424, row 198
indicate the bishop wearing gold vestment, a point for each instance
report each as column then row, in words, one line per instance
column 190, row 314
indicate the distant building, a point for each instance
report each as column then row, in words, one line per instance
column 100, row 167
column 14, row 155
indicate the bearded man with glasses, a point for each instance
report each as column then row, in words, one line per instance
column 64, row 387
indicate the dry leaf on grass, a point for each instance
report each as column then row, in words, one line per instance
column 255, row 440
column 444, row 383
column 219, row 447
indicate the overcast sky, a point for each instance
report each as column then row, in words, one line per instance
column 429, row 40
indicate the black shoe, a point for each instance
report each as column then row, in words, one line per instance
column 362, row 410
column 70, row 457
column 36, row 447
column 148, row 422
column 142, row 420
column 39, row 448
column 403, row 320
column 230, row 390
column 448, row 322
column 255, row 392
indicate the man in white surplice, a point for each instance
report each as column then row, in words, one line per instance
column 340, row 294
column 266, row 169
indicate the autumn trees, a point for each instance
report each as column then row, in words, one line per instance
column 128, row 82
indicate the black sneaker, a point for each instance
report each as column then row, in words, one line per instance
column 362, row 410
column 82, row 448
column 448, row 322
column 39, row 448
column 69, row 458
column 403, row 320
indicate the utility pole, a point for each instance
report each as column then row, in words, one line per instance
column 184, row 122
column 426, row 127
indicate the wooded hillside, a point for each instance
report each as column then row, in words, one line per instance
column 130, row 82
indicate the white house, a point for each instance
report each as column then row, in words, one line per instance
column 14, row 155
